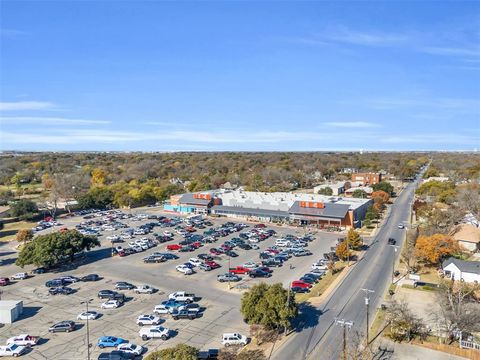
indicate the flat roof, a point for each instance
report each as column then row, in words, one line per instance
column 189, row 199
column 248, row 211
column 335, row 211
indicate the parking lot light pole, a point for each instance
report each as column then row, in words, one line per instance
column 395, row 248
column 367, row 303
column 346, row 325
column 86, row 302
column 229, row 271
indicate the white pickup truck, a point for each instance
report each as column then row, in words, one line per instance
column 23, row 340
column 182, row 296
column 154, row 332
column 12, row 350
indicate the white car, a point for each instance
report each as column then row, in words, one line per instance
column 154, row 332
column 130, row 348
column 12, row 350
column 319, row 266
column 113, row 237
column 148, row 320
column 145, row 289
column 234, row 339
column 401, row 226
column 161, row 309
column 132, row 244
column 250, row 265
column 195, row 261
column 88, row 315
column 110, row 304
column 168, row 233
column 282, row 243
column 119, row 248
column 23, row 340
column 20, row 276
column 184, row 269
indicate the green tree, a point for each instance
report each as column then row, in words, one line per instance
column 51, row 249
column 326, row 191
column 267, row 305
column 383, row 186
column 359, row 194
column 6, row 196
column 96, row 198
column 23, row 208
column 354, row 239
column 179, row 352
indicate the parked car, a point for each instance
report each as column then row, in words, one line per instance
column 154, row 332
column 116, row 355
column 184, row 269
column 110, row 294
column 239, row 270
column 110, row 304
column 110, row 341
column 130, row 348
column 145, row 289
column 23, row 340
column 184, row 314
column 4, row 281
column 301, row 252
column 208, row 354
column 88, row 315
column 146, row 319
column 62, row 290
column 234, row 339
column 258, row 273
column 12, row 350
column 299, row 283
column 228, row 277
column 19, row 276
column 62, row 326
column 297, row 289
column 123, row 285
column 90, row 277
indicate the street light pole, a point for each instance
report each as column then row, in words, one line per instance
column 395, row 247
column 345, row 324
column 86, row 302
column 367, row 303
column 229, row 271
column 288, row 300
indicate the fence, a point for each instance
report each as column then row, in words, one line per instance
column 454, row 350
column 469, row 345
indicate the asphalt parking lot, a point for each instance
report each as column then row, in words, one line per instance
column 221, row 305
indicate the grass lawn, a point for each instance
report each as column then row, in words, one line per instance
column 10, row 230
column 378, row 324
column 320, row 287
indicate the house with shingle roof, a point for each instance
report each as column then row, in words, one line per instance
column 456, row 269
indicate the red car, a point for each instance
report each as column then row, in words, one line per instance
column 226, row 247
column 272, row 251
column 215, row 251
column 190, row 229
column 121, row 253
column 197, row 244
column 212, row 264
column 173, row 247
column 301, row 284
column 4, row 281
column 239, row 270
column 260, row 226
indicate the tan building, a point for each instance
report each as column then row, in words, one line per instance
column 468, row 237
column 367, row 178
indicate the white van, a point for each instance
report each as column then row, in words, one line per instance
column 234, row 339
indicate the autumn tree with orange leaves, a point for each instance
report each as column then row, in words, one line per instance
column 380, row 198
column 433, row 249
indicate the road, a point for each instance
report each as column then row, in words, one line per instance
column 317, row 335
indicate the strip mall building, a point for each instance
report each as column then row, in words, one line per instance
column 293, row 208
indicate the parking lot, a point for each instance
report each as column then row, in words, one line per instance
column 221, row 305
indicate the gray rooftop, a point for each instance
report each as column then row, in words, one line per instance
column 251, row 211
column 189, row 199
column 464, row 266
column 336, row 211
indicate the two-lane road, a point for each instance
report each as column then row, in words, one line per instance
column 320, row 337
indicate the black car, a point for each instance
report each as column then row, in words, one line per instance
column 392, row 241
column 297, row 289
column 111, row 295
column 153, row 259
column 123, row 285
column 184, row 314
column 116, row 355
column 231, row 253
column 258, row 273
column 205, row 257
column 264, row 255
column 62, row 326
column 62, row 290
column 308, row 279
column 90, row 277
column 40, row 270
column 54, row 283
column 271, row 263
column 187, row 248
column 208, row 354
column 244, row 246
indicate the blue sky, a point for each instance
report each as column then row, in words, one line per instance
column 165, row 76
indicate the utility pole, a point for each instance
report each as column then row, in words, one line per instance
column 86, row 302
column 395, row 248
column 367, row 304
column 344, row 324
column 289, row 289
column 229, row 271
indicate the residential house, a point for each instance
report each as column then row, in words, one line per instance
column 468, row 236
column 468, row 271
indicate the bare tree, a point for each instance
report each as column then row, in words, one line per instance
column 468, row 198
column 408, row 254
column 404, row 324
column 459, row 311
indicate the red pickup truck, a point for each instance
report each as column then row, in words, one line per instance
column 239, row 270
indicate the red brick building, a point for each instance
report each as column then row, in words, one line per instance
column 367, row 178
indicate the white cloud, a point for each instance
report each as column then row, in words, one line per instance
column 351, row 124
column 14, row 120
column 451, row 51
column 345, row 35
column 26, row 105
